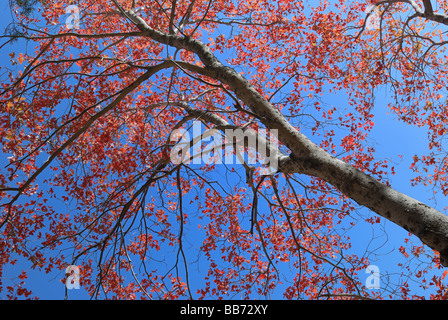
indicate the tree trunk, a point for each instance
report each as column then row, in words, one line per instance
column 428, row 224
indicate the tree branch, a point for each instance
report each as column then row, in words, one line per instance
column 430, row 225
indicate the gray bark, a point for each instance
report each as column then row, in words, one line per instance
column 428, row 224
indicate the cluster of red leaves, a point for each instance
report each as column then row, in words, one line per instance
column 112, row 197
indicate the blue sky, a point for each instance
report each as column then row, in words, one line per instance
column 392, row 138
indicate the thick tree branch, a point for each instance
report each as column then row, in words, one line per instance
column 428, row 7
column 427, row 13
column 430, row 225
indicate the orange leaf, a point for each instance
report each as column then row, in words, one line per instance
column 20, row 58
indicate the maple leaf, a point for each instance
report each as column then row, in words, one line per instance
column 21, row 58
